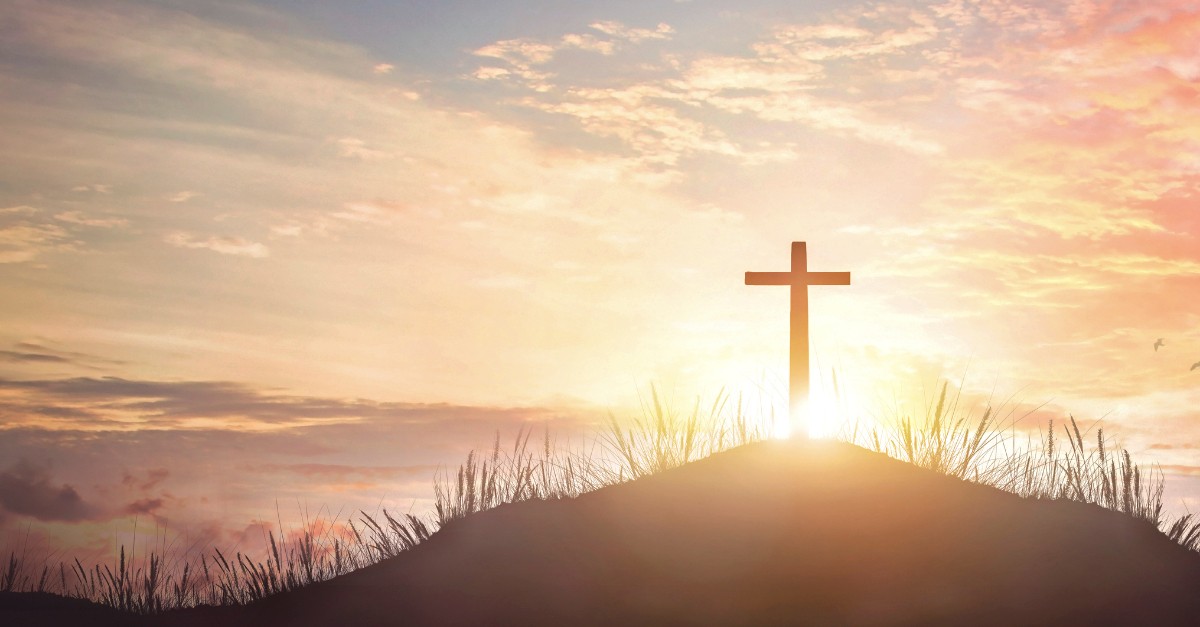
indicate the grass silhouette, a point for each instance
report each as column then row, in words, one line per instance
column 1063, row 466
column 983, row 449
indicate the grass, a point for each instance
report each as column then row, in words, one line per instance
column 945, row 441
column 1072, row 465
column 658, row 440
column 981, row 447
column 165, row 577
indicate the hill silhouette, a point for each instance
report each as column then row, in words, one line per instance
column 773, row 533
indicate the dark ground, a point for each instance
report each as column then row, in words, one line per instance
column 777, row 533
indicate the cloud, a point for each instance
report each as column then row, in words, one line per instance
column 39, row 353
column 110, row 402
column 27, row 489
column 793, row 76
column 618, row 30
column 97, row 188
column 166, row 403
column 524, row 55
column 831, row 42
column 490, row 73
column 24, row 357
column 296, row 145
column 145, row 506
column 1175, row 446
column 658, row 132
column 709, row 76
column 355, row 148
column 24, row 239
column 849, row 119
column 78, row 217
column 27, row 233
column 383, row 68
column 370, row 452
column 182, row 196
column 519, row 52
column 226, row 245
column 149, row 479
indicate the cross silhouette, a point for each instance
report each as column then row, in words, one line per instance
column 799, row 278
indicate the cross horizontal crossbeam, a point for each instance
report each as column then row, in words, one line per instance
column 791, row 278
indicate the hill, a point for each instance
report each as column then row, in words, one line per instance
column 796, row 533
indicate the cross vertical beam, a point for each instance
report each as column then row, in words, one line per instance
column 799, row 278
column 799, row 375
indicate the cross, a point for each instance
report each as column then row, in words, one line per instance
column 799, row 279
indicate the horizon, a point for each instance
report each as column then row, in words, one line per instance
column 287, row 252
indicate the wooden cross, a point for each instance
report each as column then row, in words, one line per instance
column 799, row 279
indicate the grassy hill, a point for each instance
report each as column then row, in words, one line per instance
column 783, row 532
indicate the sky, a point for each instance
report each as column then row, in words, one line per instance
column 285, row 256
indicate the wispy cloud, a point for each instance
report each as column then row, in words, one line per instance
column 114, row 402
column 78, row 217
column 618, row 30
column 792, row 76
column 523, row 54
column 226, row 245
column 182, row 196
column 31, row 352
column 358, row 149
column 526, row 58
column 27, row 357
column 25, row 234
column 97, row 188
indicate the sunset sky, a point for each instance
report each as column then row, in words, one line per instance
column 306, row 252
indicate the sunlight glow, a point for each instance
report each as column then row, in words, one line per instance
column 781, row 429
column 825, row 415
column 822, row 418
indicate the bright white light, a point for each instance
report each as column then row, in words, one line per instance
column 823, row 419
column 781, row 429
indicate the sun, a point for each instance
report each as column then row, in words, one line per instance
column 781, row 429
column 824, row 415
